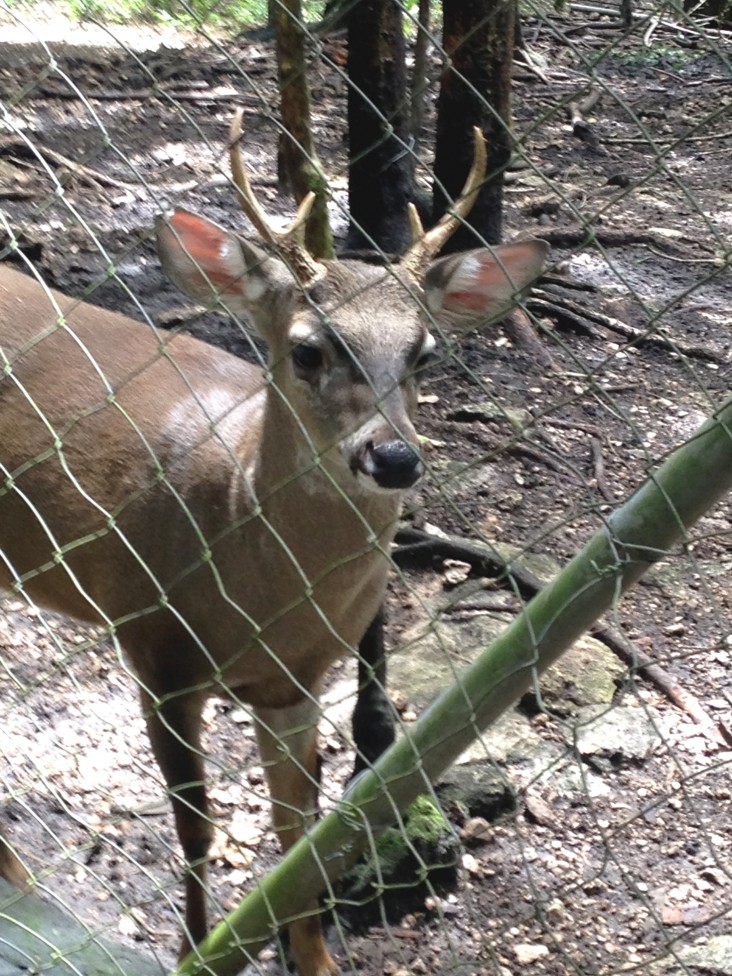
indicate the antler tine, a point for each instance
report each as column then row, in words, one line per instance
column 303, row 212
column 288, row 240
column 247, row 200
column 415, row 224
column 425, row 244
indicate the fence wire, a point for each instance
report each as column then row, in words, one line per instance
column 587, row 831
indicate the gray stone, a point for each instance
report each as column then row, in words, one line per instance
column 587, row 674
column 714, row 956
column 478, row 789
column 710, row 957
column 617, row 735
column 37, row 936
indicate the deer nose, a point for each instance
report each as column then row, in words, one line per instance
column 395, row 464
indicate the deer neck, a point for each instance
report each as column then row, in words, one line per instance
column 292, row 475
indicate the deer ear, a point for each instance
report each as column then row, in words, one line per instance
column 213, row 265
column 463, row 291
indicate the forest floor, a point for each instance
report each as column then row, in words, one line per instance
column 626, row 863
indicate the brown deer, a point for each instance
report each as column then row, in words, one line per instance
column 230, row 525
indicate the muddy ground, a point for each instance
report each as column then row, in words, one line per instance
column 630, row 860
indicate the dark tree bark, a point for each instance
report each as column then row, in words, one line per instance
column 299, row 159
column 334, row 15
column 475, row 89
column 381, row 179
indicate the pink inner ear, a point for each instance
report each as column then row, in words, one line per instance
column 483, row 283
column 490, row 282
column 204, row 243
column 468, row 300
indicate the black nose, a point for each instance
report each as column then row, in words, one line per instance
column 395, row 464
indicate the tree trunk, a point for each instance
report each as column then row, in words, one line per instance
column 475, row 89
column 381, row 178
column 420, row 81
column 299, row 159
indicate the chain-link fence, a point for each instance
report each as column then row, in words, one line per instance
column 225, row 541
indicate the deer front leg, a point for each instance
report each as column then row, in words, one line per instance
column 11, row 867
column 174, row 727
column 287, row 740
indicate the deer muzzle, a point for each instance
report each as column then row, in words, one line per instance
column 394, row 465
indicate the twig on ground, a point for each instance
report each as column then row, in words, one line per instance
column 524, row 60
column 581, row 128
column 598, row 463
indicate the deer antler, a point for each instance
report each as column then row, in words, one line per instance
column 425, row 244
column 287, row 242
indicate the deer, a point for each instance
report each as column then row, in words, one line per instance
column 229, row 524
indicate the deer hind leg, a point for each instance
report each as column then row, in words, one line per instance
column 174, row 727
column 372, row 723
column 287, row 740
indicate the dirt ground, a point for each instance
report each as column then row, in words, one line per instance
column 630, row 862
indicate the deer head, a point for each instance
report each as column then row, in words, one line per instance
column 348, row 342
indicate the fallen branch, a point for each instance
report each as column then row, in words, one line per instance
column 78, row 169
column 523, row 335
column 526, row 61
column 418, row 548
column 639, row 661
column 579, row 317
column 564, row 316
column 15, row 193
column 415, row 547
column 606, row 237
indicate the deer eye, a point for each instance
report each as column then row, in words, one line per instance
column 306, row 358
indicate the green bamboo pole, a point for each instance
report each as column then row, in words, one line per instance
column 635, row 536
